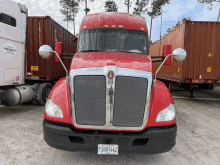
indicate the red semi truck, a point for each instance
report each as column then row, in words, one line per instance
column 109, row 102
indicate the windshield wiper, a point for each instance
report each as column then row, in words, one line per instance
column 131, row 52
column 92, row 51
column 110, row 50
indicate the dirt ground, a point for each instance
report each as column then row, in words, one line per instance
column 198, row 137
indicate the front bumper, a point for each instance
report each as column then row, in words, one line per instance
column 150, row 141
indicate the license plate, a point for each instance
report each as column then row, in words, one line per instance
column 108, row 149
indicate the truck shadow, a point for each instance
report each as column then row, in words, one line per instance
column 198, row 93
column 206, row 97
column 124, row 158
column 204, row 105
column 23, row 108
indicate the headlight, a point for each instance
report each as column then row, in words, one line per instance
column 52, row 109
column 167, row 114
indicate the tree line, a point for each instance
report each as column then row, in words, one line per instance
column 70, row 8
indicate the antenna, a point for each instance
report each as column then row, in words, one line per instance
column 218, row 15
column 160, row 30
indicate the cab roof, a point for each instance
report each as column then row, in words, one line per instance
column 114, row 20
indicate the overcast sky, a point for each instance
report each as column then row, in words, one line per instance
column 172, row 13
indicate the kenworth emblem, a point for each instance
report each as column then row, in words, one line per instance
column 110, row 76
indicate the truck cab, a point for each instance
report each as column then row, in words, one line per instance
column 12, row 42
column 110, row 102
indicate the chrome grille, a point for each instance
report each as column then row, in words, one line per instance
column 129, row 101
column 106, row 121
column 90, row 100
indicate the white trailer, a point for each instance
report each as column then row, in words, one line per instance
column 13, row 38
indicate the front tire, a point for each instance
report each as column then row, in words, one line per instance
column 43, row 92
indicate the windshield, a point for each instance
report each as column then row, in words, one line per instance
column 120, row 40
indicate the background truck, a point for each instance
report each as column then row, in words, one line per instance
column 24, row 76
column 201, row 41
column 109, row 102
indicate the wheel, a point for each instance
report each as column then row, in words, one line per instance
column 43, row 92
column 206, row 86
column 211, row 86
column 3, row 97
column 186, row 86
column 53, row 83
column 35, row 87
column 4, row 102
column 168, row 85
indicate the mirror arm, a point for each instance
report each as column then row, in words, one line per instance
column 67, row 76
column 159, row 69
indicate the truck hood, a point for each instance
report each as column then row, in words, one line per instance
column 119, row 59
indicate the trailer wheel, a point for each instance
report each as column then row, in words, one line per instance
column 212, row 86
column 186, row 86
column 206, row 86
column 43, row 92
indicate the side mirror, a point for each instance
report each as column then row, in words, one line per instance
column 45, row 51
column 179, row 54
column 167, row 49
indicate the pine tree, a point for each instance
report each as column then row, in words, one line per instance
column 86, row 8
column 139, row 9
column 69, row 10
column 156, row 8
column 110, row 6
column 209, row 2
column 74, row 10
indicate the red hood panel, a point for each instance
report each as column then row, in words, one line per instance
column 119, row 59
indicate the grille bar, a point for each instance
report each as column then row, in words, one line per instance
column 129, row 101
column 90, row 100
